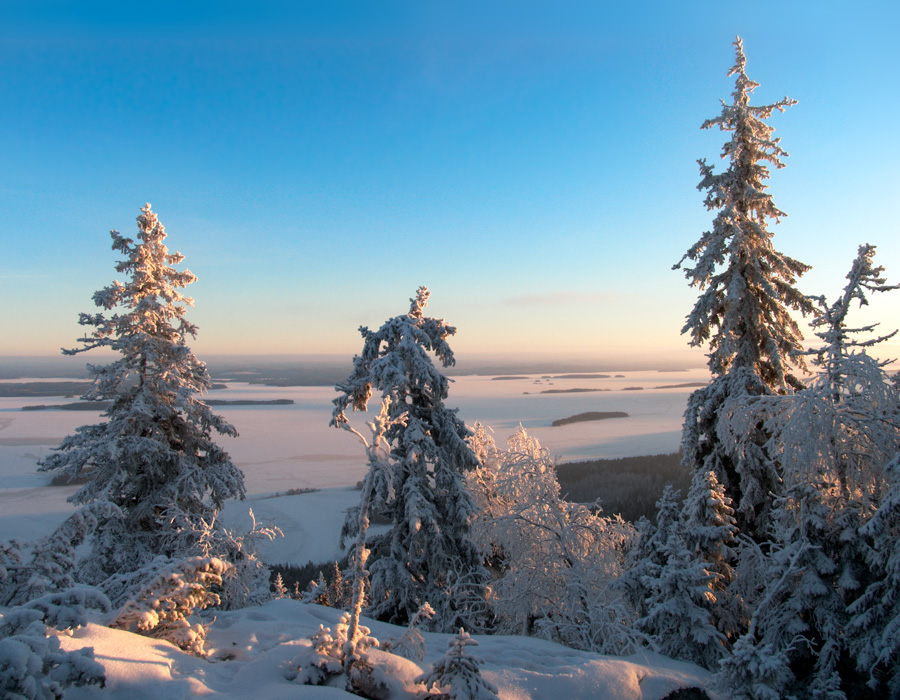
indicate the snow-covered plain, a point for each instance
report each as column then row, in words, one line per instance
column 285, row 447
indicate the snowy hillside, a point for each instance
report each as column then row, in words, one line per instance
column 251, row 651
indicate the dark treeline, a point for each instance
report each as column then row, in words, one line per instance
column 296, row 577
column 629, row 486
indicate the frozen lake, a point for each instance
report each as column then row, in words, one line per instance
column 285, row 447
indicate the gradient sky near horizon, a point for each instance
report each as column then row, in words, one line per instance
column 533, row 164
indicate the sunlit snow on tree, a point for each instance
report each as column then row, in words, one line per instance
column 153, row 457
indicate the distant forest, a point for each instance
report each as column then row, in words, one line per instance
column 629, row 486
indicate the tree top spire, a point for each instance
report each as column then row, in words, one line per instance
column 419, row 302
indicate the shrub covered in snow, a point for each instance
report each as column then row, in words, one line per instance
column 163, row 607
column 411, row 644
column 553, row 561
column 248, row 581
column 338, row 657
column 32, row 665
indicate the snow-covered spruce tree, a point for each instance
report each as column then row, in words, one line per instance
column 833, row 440
column 744, row 314
column 797, row 624
column 30, row 570
column 860, row 422
column 427, row 556
column 164, row 606
column 836, row 355
column 678, row 621
column 840, row 432
column 708, row 531
column 796, row 643
column 744, row 311
column 153, row 457
column 687, row 611
column 279, row 590
column 874, row 627
column 456, row 675
column 553, row 562
column 650, row 550
column 326, row 660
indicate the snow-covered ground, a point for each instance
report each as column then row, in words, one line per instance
column 260, row 643
column 291, row 447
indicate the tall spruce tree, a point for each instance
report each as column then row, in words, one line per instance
column 153, row 458
column 744, row 311
column 744, row 314
column 428, row 555
column 748, row 286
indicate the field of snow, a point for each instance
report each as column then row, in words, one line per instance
column 285, row 447
column 291, row 447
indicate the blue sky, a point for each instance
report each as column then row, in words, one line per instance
column 533, row 164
